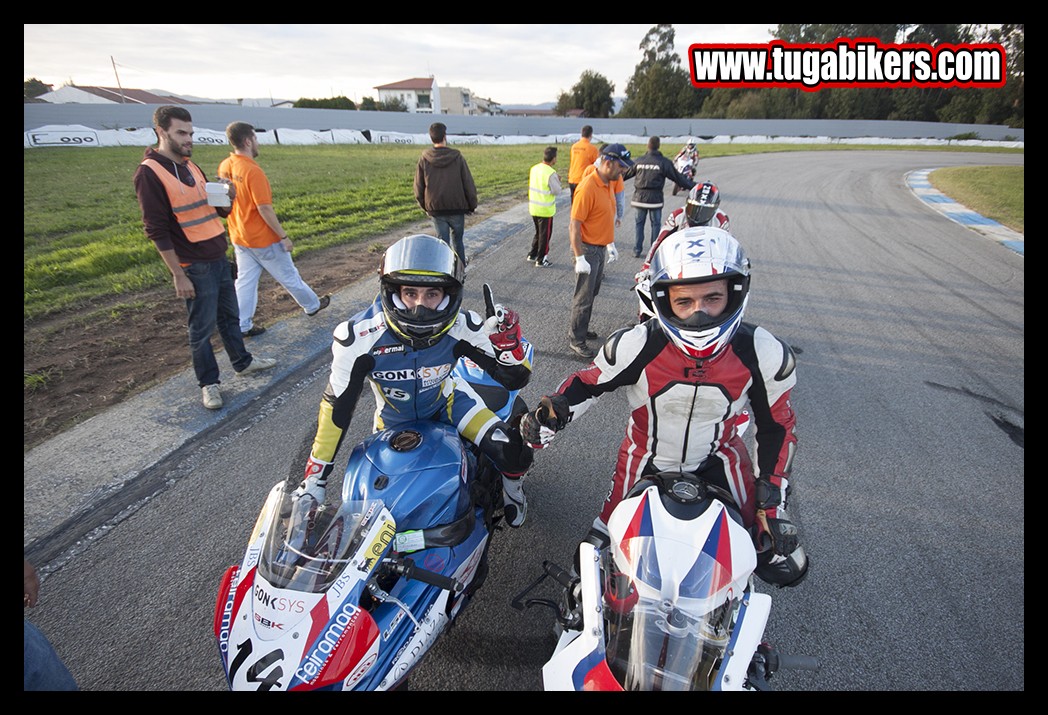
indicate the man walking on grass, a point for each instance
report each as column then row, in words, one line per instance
column 445, row 190
column 259, row 241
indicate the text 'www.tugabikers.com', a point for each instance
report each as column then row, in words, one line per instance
column 847, row 63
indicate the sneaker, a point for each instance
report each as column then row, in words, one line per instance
column 212, row 397
column 583, row 351
column 636, row 254
column 325, row 301
column 544, row 263
column 515, row 503
column 530, row 257
column 255, row 330
column 590, row 335
column 257, row 364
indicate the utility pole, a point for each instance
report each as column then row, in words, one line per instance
column 117, row 80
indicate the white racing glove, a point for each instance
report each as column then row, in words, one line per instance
column 613, row 253
column 315, row 482
column 581, row 265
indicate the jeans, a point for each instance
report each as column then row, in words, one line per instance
column 642, row 214
column 43, row 668
column 277, row 262
column 449, row 228
column 587, row 285
column 215, row 305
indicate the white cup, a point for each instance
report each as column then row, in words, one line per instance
column 217, row 193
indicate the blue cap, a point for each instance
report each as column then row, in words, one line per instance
column 619, row 153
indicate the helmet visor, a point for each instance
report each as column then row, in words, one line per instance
column 421, row 260
column 699, row 214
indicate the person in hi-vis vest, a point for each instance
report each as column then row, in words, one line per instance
column 189, row 235
column 543, row 189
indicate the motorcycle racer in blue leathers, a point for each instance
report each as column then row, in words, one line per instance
column 404, row 347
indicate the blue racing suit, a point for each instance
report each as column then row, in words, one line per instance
column 410, row 384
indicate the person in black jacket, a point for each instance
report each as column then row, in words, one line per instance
column 649, row 178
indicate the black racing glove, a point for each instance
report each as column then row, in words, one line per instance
column 539, row 426
column 775, row 530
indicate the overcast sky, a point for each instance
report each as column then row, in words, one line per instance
column 510, row 64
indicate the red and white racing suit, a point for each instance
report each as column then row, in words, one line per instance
column 678, row 220
column 684, row 413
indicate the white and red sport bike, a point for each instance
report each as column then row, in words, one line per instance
column 669, row 604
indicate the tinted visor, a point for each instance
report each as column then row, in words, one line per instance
column 422, row 260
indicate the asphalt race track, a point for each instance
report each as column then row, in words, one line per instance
column 909, row 477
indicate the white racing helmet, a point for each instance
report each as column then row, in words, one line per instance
column 421, row 261
column 699, row 255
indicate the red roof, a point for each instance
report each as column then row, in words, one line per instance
column 414, row 83
column 132, row 96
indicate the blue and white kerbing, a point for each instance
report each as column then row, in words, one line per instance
column 935, row 199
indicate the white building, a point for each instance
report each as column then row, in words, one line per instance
column 460, row 100
column 420, row 94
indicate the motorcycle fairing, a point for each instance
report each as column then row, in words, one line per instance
column 687, row 569
column 294, row 620
column 579, row 660
column 422, row 485
column 688, row 560
column 746, row 635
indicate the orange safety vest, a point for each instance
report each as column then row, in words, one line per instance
column 198, row 220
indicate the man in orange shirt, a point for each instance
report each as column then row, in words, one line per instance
column 583, row 154
column 259, row 241
column 592, row 235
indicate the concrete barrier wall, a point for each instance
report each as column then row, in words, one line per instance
column 128, row 118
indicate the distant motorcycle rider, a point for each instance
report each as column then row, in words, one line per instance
column 404, row 346
column 702, row 208
column 689, row 151
column 693, row 378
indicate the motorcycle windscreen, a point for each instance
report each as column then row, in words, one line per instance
column 662, row 633
column 307, row 548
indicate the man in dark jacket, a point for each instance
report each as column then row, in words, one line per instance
column 650, row 176
column 445, row 190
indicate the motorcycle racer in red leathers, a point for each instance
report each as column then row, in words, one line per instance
column 693, row 376
column 702, row 208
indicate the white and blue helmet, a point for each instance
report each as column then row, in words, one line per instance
column 698, row 255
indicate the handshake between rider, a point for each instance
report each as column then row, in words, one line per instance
column 539, row 426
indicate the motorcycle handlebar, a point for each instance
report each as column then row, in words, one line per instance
column 564, row 578
column 408, row 569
